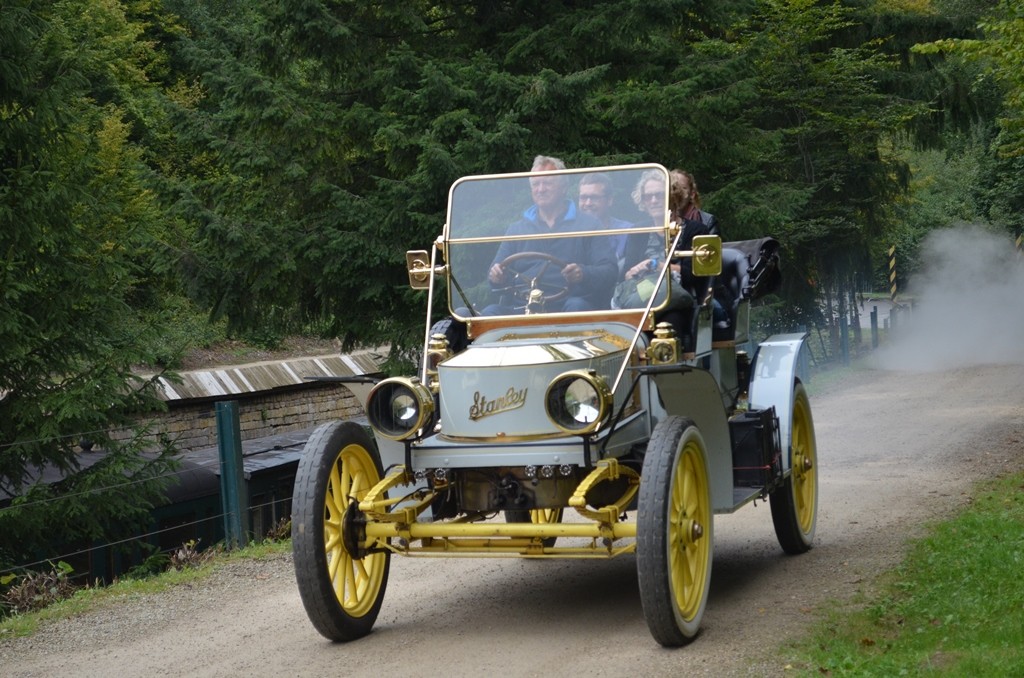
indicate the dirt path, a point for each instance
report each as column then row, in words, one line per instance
column 896, row 449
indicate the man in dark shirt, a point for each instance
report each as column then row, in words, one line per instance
column 596, row 199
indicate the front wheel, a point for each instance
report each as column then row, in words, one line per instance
column 795, row 503
column 341, row 591
column 674, row 532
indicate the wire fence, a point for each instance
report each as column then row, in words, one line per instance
column 275, row 504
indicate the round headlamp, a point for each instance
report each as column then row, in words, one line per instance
column 578, row 402
column 398, row 407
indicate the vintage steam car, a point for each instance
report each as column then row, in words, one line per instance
column 555, row 415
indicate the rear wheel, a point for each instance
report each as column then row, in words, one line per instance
column 454, row 331
column 341, row 581
column 795, row 503
column 536, row 516
column 674, row 532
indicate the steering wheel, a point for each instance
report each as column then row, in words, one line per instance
column 521, row 287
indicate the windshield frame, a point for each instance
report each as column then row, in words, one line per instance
column 465, row 309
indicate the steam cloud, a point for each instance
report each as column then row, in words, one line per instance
column 969, row 307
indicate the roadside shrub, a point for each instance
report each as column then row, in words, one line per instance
column 153, row 565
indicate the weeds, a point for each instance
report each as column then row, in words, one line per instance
column 281, row 531
column 188, row 555
column 36, row 590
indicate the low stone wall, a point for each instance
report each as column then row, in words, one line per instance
column 193, row 425
column 273, row 397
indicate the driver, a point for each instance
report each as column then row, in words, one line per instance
column 590, row 267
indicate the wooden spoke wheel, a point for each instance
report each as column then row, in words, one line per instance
column 795, row 503
column 674, row 532
column 341, row 578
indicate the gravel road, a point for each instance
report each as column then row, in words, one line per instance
column 896, row 449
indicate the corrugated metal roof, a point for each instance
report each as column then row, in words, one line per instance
column 264, row 376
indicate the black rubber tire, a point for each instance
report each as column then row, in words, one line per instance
column 342, row 608
column 454, row 331
column 673, row 560
column 795, row 503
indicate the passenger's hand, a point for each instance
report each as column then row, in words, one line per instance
column 572, row 273
column 496, row 275
column 638, row 269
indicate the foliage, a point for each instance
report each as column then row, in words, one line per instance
column 994, row 57
column 80, row 229
column 942, row 193
column 815, row 167
column 1001, row 50
column 281, row 531
column 86, row 599
column 329, row 133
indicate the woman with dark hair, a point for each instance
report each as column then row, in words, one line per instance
column 684, row 201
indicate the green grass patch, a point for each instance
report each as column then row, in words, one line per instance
column 954, row 608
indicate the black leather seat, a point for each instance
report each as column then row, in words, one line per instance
column 729, row 290
column 750, row 270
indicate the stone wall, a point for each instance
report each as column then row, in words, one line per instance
column 193, row 425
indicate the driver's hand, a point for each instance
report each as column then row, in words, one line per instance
column 572, row 273
column 496, row 275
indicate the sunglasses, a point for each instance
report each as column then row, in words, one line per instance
column 654, row 196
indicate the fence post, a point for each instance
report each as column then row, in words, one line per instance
column 844, row 340
column 233, row 496
column 874, row 327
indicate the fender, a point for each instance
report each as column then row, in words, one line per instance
column 694, row 393
column 779, row 363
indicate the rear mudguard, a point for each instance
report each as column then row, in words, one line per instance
column 779, row 363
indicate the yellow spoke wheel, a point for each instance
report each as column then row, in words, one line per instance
column 795, row 503
column 341, row 578
column 674, row 532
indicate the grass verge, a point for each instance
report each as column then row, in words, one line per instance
column 91, row 598
column 955, row 607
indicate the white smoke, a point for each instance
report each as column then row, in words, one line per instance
column 968, row 305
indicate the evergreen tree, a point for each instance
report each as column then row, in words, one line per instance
column 79, row 226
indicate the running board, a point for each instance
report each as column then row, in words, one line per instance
column 741, row 496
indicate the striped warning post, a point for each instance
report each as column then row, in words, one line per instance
column 892, row 273
column 1020, row 239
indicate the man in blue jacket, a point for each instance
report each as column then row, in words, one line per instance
column 573, row 274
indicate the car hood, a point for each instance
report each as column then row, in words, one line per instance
column 496, row 388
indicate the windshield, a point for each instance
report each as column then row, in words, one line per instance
column 557, row 242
